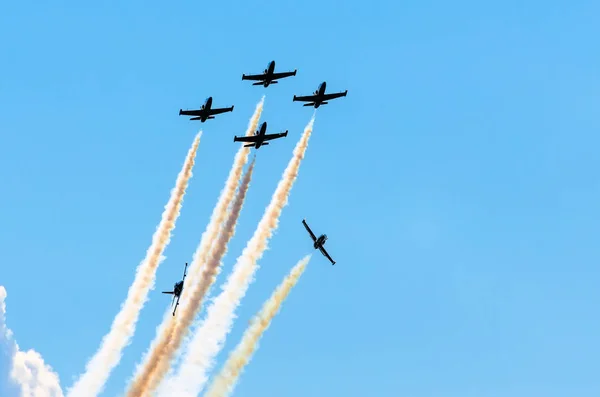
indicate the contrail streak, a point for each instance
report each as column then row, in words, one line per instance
column 171, row 331
column 225, row 381
column 28, row 371
column 108, row 355
column 210, row 336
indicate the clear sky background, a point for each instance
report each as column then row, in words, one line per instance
column 457, row 182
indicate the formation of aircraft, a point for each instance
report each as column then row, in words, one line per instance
column 266, row 78
column 206, row 112
column 269, row 76
column 318, row 242
column 177, row 289
column 260, row 137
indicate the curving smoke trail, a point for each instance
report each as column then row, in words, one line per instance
column 210, row 336
column 109, row 354
column 225, row 381
column 172, row 330
column 28, row 371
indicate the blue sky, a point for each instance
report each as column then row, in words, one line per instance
column 457, row 182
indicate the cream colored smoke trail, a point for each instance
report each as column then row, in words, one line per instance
column 28, row 371
column 225, row 381
column 171, row 331
column 210, row 336
column 108, row 355
column 170, row 386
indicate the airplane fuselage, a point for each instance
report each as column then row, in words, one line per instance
column 320, row 241
column 261, row 134
column 320, row 92
column 207, row 105
column 269, row 73
column 178, row 288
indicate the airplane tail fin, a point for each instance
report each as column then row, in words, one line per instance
column 210, row 117
column 196, row 118
column 265, row 143
column 309, row 104
column 324, row 103
column 274, row 82
column 259, row 83
column 168, row 292
column 250, row 145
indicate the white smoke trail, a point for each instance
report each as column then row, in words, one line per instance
column 225, row 381
column 170, row 333
column 109, row 354
column 28, row 371
column 210, row 336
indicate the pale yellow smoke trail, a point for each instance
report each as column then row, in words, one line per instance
column 109, row 354
column 170, row 385
column 209, row 274
column 156, row 362
column 225, row 381
column 209, row 338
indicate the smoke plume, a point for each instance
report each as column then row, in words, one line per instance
column 225, row 381
column 108, row 355
column 28, row 371
column 172, row 330
column 210, row 336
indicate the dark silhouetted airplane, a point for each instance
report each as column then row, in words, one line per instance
column 318, row 242
column 268, row 76
column 206, row 112
column 259, row 137
column 320, row 97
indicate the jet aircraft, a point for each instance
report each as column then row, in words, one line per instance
column 320, row 97
column 177, row 289
column 259, row 137
column 268, row 76
column 205, row 112
column 318, row 242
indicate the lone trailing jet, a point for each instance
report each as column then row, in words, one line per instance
column 259, row 137
column 268, row 76
column 319, row 242
column 205, row 112
column 320, row 97
column 177, row 290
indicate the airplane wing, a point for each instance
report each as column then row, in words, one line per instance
column 253, row 76
column 333, row 96
column 198, row 112
column 312, row 235
column 327, row 255
column 249, row 138
column 176, row 304
column 308, row 98
column 269, row 137
column 220, row 110
column 281, row 75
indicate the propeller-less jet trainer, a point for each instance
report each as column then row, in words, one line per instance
column 319, row 242
column 177, row 289
column 320, row 97
column 259, row 137
column 205, row 112
column 268, row 76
